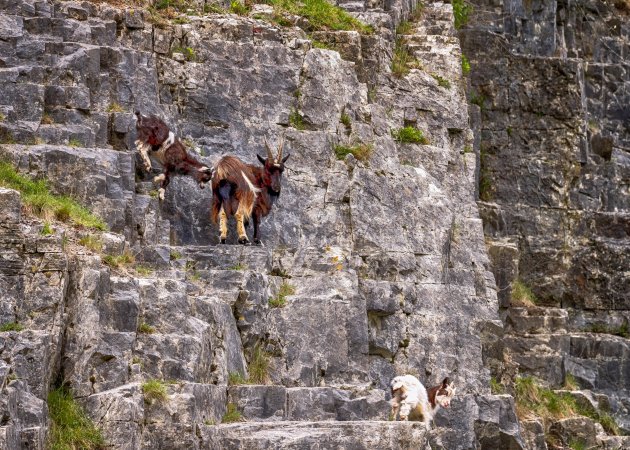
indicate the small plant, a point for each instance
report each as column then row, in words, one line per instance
column 320, row 15
column 92, row 242
column 296, row 120
column 570, row 383
column 278, row 272
column 188, row 52
column 74, row 142
column 11, row 326
column 145, row 328
column 236, row 379
column 175, row 255
column 522, row 295
column 461, row 10
column 136, row 360
column 195, row 276
column 345, row 120
column 362, row 152
column 6, row 137
column 477, row 99
column 2, row 117
column 496, row 387
column 47, row 119
column 322, row 45
column 465, row 65
column 372, row 94
column 403, row 61
column 115, row 108
column 577, row 444
column 259, row 365
column 410, row 135
column 467, row 149
column 232, row 414
column 46, row 229
column 442, row 82
column 621, row 330
column 144, row 270
column 238, row 266
column 70, row 427
column 154, row 391
column 404, row 27
column 119, row 261
column 239, row 8
column 280, row 300
column 210, row 422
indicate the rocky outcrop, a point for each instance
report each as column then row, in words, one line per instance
column 549, row 92
column 385, row 256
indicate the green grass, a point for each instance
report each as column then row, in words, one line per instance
column 409, row 135
column 461, row 11
column 115, row 108
column 119, row 261
column 239, row 8
column 621, row 330
column 70, row 427
column 11, row 326
column 296, row 120
column 402, row 61
column 236, row 379
column 175, row 255
column 442, row 82
column 465, row 65
column 2, row 117
column 477, row 99
column 404, row 27
column 93, row 242
column 570, row 383
column 188, row 52
column 37, row 196
column 320, row 15
column 238, row 266
column 74, row 142
column 232, row 414
column 47, row 119
column 280, row 300
column 144, row 270
column 154, row 391
column 46, row 229
column 345, row 120
column 362, row 152
column 496, row 387
column 6, row 137
column 576, row 444
column 522, row 295
column 259, row 363
column 145, row 328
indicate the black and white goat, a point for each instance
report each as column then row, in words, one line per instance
column 156, row 140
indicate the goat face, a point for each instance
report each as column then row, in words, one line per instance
column 151, row 130
column 445, row 394
column 273, row 168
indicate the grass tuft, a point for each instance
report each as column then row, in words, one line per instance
column 570, row 383
column 154, row 391
column 345, row 120
column 145, row 328
column 442, row 82
column 232, row 414
column 259, row 364
column 11, row 326
column 296, row 120
column 362, row 152
column 280, row 300
column 403, row 61
column 496, row 387
column 239, row 8
column 238, row 266
column 115, row 108
column 236, row 379
column 522, row 295
column 74, row 142
column 320, row 15
column 144, row 270
column 46, row 229
column 37, row 195
column 116, row 262
column 92, row 242
column 410, row 135
column 621, row 330
column 461, row 11
column 70, row 427
column 465, row 65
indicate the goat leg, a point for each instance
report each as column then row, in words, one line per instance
column 257, row 240
column 223, row 225
column 240, row 228
column 165, row 179
column 143, row 149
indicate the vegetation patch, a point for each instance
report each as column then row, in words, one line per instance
column 345, row 120
column 154, row 391
column 74, row 142
column 259, row 364
column 465, row 65
column 92, row 242
column 296, row 120
column 175, row 255
column 442, row 82
column 11, row 326
column 70, row 427
column 280, row 300
column 115, row 108
column 46, row 229
column 37, row 196
column 188, row 52
column 236, row 379
column 145, row 328
column 403, row 61
column 461, row 11
column 496, row 387
column 409, row 135
column 119, row 261
column 522, row 295
column 144, row 270
column 362, row 152
column 320, row 15
column 238, row 266
column 232, row 414
column 239, row 8
column 621, row 330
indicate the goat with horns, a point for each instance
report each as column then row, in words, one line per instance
column 246, row 191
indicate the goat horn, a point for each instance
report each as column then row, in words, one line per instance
column 269, row 152
column 280, row 149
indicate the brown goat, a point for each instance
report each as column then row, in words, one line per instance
column 155, row 138
column 246, row 191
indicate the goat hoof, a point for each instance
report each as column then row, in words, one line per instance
column 161, row 194
column 244, row 241
column 222, row 241
column 257, row 242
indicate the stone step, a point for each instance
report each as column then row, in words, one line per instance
column 228, row 257
column 274, row 403
column 311, row 435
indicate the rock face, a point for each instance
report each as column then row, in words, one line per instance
column 384, row 258
column 549, row 86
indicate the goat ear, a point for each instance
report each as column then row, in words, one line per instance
column 262, row 160
column 445, row 382
column 285, row 158
column 139, row 116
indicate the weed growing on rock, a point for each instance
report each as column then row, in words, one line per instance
column 145, row 328
column 321, row 15
column 442, row 82
column 11, row 326
column 119, row 261
column 577, row 444
column 37, row 195
column 522, row 295
column 280, row 300
column 477, row 99
column 236, row 379
column 296, row 120
column 409, row 135
column 570, row 383
column 621, row 330
column 188, row 52
column 465, row 65
column 404, row 27
column 403, row 61
column 74, row 142
column 461, row 11
column 345, row 120
column 259, row 364
column 154, row 391
column 175, row 255
column 362, row 152
column 496, row 387
column 46, row 229
column 232, row 414
column 92, row 242
column 70, row 427
column 239, row 8
column 47, row 119
column 115, row 108
column 2, row 117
